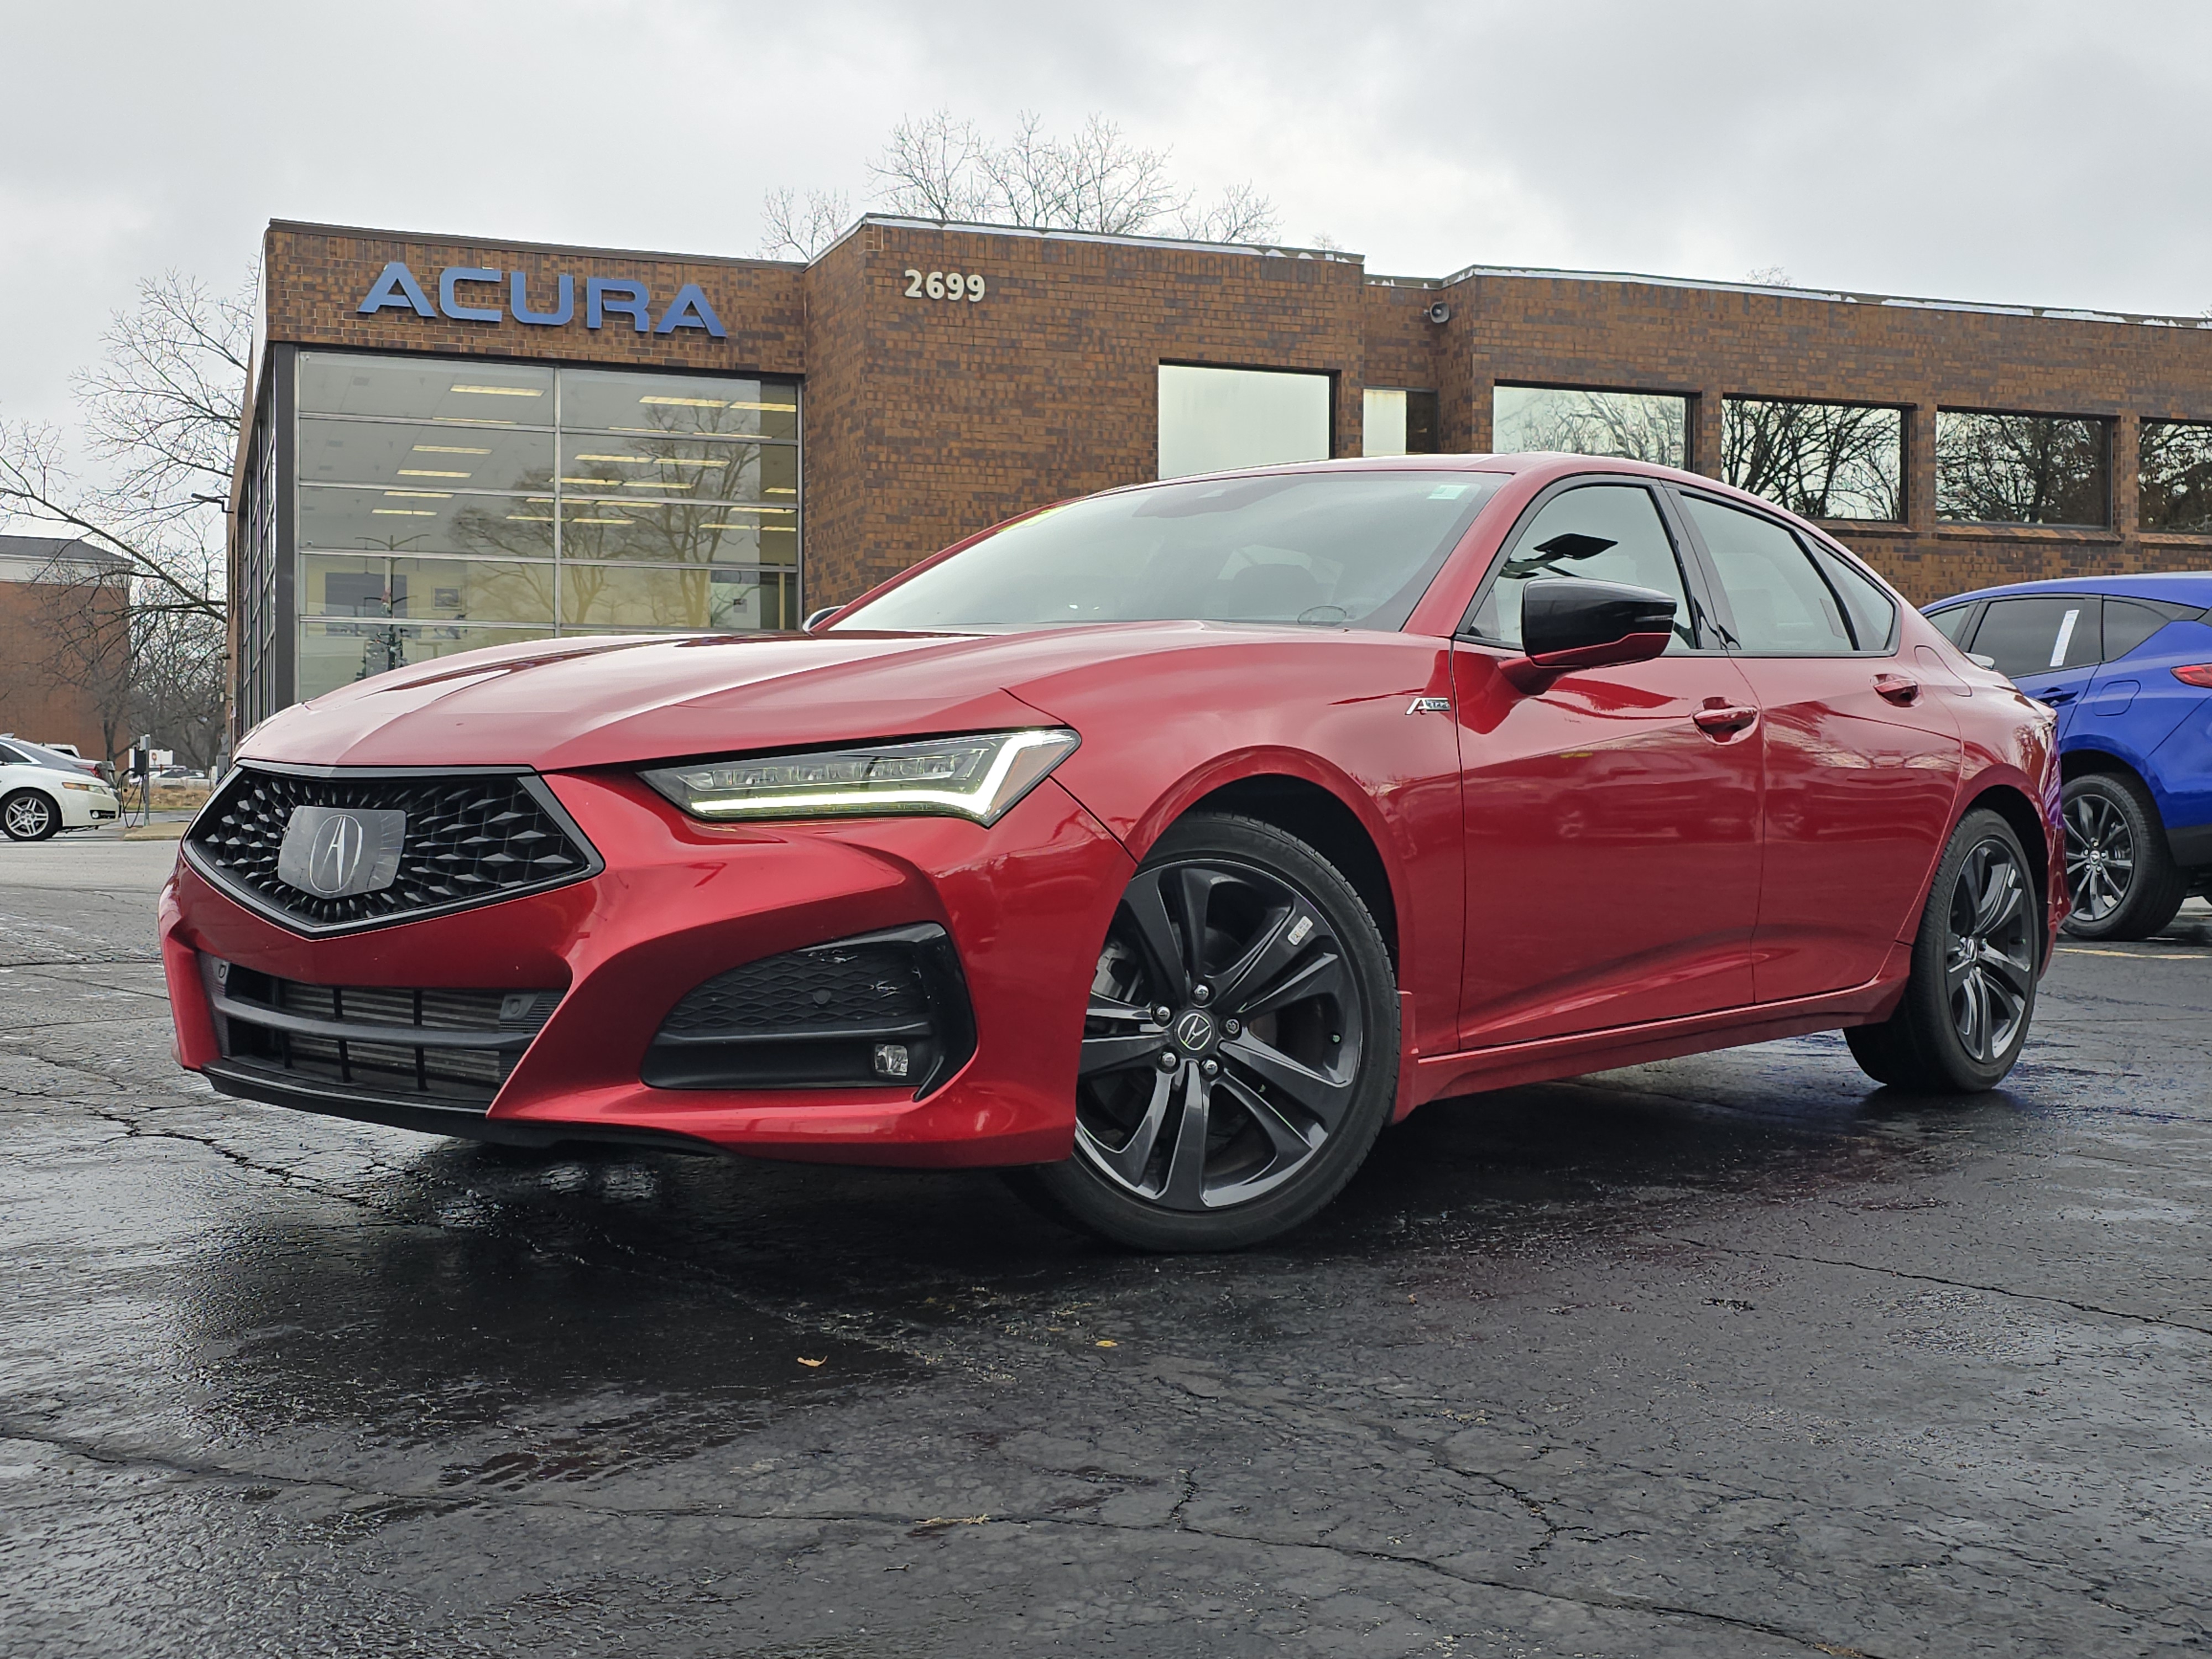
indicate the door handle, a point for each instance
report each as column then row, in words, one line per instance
column 1899, row 689
column 1724, row 719
column 2054, row 696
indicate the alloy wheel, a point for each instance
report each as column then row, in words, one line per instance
column 1989, row 968
column 28, row 816
column 1222, row 1043
column 2100, row 855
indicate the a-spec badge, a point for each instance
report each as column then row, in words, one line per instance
column 1429, row 706
column 334, row 852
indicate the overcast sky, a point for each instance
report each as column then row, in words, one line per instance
column 2037, row 153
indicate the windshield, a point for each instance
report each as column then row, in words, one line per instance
column 1329, row 550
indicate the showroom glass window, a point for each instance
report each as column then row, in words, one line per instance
column 1636, row 425
column 1817, row 460
column 2022, row 469
column 447, row 504
column 1398, row 421
column 1215, row 420
column 2174, row 488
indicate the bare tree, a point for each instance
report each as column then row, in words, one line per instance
column 796, row 230
column 1821, row 460
column 163, row 408
column 1769, row 276
column 942, row 168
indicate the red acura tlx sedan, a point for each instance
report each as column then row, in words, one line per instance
column 1159, row 847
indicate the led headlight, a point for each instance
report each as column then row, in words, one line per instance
column 979, row 776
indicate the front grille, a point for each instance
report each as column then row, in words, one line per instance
column 470, row 837
column 885, row 1008
column 453, row 1047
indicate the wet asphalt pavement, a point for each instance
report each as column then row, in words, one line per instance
column 1731, row 1355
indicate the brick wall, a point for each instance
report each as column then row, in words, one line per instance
column 929, row 419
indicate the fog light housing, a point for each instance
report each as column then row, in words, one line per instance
column 881, row 1010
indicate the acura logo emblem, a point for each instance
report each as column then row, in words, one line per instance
column 336, row 855
column 332, row 851
column 1195, row 1030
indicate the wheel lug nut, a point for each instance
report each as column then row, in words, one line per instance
column 1210, row 1067
column 1167, row 1061
column 1201, row 995
column 1231, row 1028
column 1163, row 1013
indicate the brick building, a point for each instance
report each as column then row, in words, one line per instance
column 453, row 443
column 64, row 670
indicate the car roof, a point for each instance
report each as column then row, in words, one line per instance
column 2174, row 587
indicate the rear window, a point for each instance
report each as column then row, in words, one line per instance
column 1953, row 623
column 2037, row 635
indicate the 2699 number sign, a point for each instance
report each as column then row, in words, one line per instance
column 944, row 285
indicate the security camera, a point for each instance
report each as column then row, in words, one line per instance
column 1440, row 312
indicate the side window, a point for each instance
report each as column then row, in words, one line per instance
column 1871, row 613
column 1602, row 532
column 2035, row 635
column 2128, row 624
column 9, row 757
column 1778, row 605
column 1953, row 623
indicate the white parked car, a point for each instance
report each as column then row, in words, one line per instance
column 42, row 791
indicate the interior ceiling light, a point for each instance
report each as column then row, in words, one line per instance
column 694, row 403
column 422, row 494
column 402, row 513
column 502, row 391
column 448, row 449
column 426, row 472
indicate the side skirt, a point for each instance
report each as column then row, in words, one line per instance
column 1513, row 1064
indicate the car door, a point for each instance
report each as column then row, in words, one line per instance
column 2047, row 644
column 1862, row 767
column 1612, row 821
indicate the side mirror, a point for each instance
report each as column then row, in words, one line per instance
column 815, row 618
column 1569, row 624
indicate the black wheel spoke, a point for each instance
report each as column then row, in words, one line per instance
column 1130, row 1159
column 1186, row 1183
column 1248, row 978
column 2015, row 977
column 1148, row 909
column 1291, row 1144
column 1325, row 1098
column 1102, row 1054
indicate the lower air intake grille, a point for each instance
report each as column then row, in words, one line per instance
column 469, row 838
column 886, row 1009
column 435, row 1046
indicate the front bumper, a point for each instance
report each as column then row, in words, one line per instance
column 1024, row 902
column 83, row 808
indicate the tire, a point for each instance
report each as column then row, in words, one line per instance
column 1225, row 1094
column 28, row 815
column 2119, row 869
column 1970, row 996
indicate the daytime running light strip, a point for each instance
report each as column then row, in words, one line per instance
column 969, row 803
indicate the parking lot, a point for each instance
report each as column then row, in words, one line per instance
column 1730, row 1355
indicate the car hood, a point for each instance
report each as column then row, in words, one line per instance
column 571, row 703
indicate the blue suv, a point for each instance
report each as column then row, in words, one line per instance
column 2127, row 662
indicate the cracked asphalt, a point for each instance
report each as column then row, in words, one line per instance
column 1732, row 1355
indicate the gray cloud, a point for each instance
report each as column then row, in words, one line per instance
column 2033, row 152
